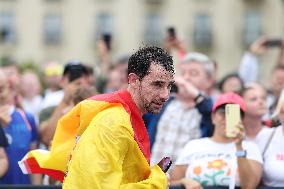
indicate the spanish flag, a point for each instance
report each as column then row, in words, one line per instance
column 72, row 125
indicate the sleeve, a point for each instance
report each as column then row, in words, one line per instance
column 156, row 179
column 248, row 70
column 99, row 159
column 185, row 155
column 253, row 152
column 46, row 113
column 3, row 139
column 204, row 109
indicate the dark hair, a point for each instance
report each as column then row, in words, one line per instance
column 221, row 83
column 250, row 86
column 278, row 67
column 139, row 63
column 75, row 70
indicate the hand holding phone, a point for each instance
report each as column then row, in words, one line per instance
column 233, row 118
column 273, row 43
column 165, row 164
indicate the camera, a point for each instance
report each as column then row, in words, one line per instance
column 172, row 33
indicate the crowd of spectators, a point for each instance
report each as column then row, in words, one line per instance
column 190, row 128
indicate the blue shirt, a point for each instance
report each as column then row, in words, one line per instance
column 20, row 132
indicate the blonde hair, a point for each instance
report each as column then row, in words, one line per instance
column 279, row 105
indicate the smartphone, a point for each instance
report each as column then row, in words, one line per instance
column 172, row 32
column 273, row 43
column 165, row 164
column 233, row 117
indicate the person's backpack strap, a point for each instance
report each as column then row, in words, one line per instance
column 268, row 142
column 22, row 113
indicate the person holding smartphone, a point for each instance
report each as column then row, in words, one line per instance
column 250, row 66
column 221, row 160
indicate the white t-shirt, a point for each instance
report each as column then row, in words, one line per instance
column 210, row 163
column 273, row 161
column 262, row 138
column 52, row 99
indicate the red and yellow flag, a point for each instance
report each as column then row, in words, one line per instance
column 73, row 125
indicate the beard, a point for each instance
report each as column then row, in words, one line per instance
column 154, row 107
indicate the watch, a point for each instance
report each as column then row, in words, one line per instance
column 241, row 153
column 199, row 98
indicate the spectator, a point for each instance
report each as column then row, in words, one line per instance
column 52, row 79
column 12, row 72
column 231, row 83
column 31, row 93
column 117, row 76
column 21, row 132
column 255, row 98
column 75, row 75
column 104, row 47
column 4, row 163
column 219, row 160
column 271, row 145
column 186, row 116
column 277, row 84
column 249, row 69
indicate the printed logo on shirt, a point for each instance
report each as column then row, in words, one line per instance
column 9, row 138
column 280, row 157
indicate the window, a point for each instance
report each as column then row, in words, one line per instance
column 202, row 33
column 52, row 29
column 7, row 27
column 153, row 29
column 104, row 24
column 252, row 27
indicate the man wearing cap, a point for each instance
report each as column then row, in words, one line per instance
column 187, row 115
column 220, row 160
column 74, row 76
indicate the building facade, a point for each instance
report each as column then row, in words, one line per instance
column 44, row 30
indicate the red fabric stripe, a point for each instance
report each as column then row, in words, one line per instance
column 33, row 167
column 140, row 132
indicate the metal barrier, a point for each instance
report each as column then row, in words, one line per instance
column 223, row 187
column 59, row 187
column 12, row 186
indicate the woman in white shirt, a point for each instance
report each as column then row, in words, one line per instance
column 273, row 158
column 219, row 160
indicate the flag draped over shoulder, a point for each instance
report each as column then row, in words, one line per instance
column 73, row 124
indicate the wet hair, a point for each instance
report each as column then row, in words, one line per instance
column 139, row 63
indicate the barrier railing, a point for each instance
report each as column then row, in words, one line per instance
column 59, row 187
column 223, row 187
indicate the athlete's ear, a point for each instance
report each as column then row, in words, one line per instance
column 133, row 80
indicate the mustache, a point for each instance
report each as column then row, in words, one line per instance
column 161, row 102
